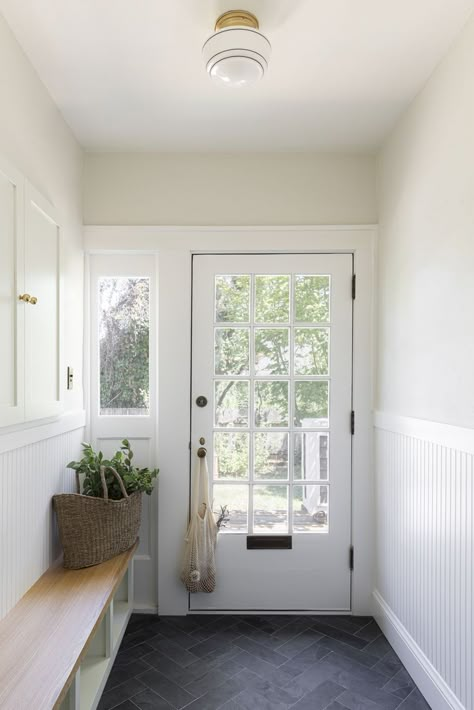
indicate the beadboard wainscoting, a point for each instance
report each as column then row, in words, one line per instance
column 425, row 529
column 29, row 476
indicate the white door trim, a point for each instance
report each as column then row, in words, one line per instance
column 174, row 247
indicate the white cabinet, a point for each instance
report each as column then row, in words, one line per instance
column 30, row 301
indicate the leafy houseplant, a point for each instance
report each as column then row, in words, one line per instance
column 134, row 478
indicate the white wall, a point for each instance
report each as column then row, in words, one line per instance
column 265, row 189
column 35, row 139
column 425, row 372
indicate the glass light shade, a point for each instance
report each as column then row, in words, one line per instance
column 236, row 56
column 236, row 72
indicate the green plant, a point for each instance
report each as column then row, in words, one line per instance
column 134, row 479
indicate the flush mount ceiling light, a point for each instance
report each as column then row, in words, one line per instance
column 237, row 53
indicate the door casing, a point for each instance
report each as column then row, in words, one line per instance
column 173, row 247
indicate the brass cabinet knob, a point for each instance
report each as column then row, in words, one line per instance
column 26, row 298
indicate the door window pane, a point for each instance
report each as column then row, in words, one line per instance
column 311, row 351
column 312, row 298
column 232, row 298
column 124, row 330
column 236, row 499
column 271, row 351
column 271, row 404
column 231, row 403
column 312, row 404
column 231, row 351
column 272, row 299
column 271, row 455
column 270, row 509
column 311, row 456
column 310, row 509
column 231, row 455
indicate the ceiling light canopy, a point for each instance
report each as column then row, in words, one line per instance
column 237, row 54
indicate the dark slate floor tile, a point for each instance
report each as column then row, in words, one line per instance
column 356, row 702
column 349, row 624
column 363, row 674
column 258, row 662
column 415, row 701
column 389, row 665
column 211, row 680
column 306, row 658
column 176, row 696
column 111, row 698
column 400, row 684
column 263, row 623
column 177, row 636
column 363, row 687
column 310, row 679
column 175, row 672
column 216, row 697
column 279, row 676
column 380, row 647
column 320, row 697
column 132, row 654
column 252, row 700
column 370, row 632
column 215, row 643
column 177, row 653
column 298, row 643
column 183, row 623
column 362, row 657
column 268, row 690
column 339, row 635
column 120, row 674
column 149, row 700
column 266, row 654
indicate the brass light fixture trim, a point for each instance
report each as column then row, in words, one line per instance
column 236, row 18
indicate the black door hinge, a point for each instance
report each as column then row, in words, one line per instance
column 353, row 286
column 351, row 557
column 353, row 417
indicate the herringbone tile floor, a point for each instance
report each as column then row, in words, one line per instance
column 258, row 663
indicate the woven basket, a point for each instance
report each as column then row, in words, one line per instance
column 92, row 530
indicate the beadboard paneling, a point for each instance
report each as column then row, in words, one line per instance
column 425, row 530
column 29, row 477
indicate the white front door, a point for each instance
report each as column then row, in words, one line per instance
column 272, row 365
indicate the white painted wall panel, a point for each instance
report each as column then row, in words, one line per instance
column 425, row 555
column 29, row 477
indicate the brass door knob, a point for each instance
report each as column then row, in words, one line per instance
column 33, row 300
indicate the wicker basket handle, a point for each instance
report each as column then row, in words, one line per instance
column 104, row 484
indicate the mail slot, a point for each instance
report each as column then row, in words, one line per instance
column 269, row 542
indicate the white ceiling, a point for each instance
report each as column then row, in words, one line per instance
column 128, row 75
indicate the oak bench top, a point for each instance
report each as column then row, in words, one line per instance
column 45, row 636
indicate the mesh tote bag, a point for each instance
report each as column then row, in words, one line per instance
column 199, row 565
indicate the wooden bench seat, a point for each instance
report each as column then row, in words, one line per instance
column 57, row 645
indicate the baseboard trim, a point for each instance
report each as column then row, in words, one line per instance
column 434, row 688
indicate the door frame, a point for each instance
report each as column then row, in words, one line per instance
column 174, row 248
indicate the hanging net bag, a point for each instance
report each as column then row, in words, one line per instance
column 198, row 573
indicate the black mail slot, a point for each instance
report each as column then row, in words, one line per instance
column 269, row 542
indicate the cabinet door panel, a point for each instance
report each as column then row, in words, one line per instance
column 42, row 281
column 11, row 286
